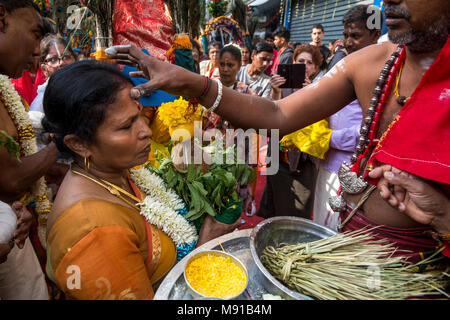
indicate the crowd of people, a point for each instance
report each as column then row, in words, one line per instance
column 79, row 125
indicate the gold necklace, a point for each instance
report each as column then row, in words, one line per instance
column 113, row 189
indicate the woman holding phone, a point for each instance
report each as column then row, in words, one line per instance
column 308, row 55
column 290, row 192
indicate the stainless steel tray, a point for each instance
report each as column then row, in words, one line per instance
column 237, row 243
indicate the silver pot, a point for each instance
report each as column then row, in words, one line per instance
column 199, row 296
column 273, row 232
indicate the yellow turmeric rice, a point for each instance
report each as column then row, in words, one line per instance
column 216, row 276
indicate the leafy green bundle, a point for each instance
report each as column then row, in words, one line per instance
column 205, row 191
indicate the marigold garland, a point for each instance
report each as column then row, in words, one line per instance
column 27, row 141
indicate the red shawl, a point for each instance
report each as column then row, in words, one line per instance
column 26, row 88
column 418, row 140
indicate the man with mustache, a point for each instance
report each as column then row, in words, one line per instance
column 402, row 87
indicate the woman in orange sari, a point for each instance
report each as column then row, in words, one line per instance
column 99, row 246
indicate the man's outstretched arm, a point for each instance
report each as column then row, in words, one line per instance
column 306, row 106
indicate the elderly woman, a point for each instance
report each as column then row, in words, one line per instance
column 308, row 55
column 99, row 245
column 55, row 54
column 210, row 68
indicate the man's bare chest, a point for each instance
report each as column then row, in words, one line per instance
column 6, row 122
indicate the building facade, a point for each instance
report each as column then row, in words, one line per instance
column 301, row 15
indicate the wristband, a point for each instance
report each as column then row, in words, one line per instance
column 205, row 88
column 218, row 98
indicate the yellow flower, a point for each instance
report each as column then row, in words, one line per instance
column 178, row 112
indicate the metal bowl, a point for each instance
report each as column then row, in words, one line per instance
column 273, row 232
column 200, row 296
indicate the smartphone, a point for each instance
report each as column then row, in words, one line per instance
column 293, row 73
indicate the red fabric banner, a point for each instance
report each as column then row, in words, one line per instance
column 145, row 23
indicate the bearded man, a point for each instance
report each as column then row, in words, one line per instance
column 401, row 85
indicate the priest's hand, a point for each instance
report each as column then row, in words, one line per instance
column 414, row 196
column 161, row 75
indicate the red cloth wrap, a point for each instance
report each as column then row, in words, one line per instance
column 26, row 88
column 416, row 240
column 146, row 24
column 418, row 141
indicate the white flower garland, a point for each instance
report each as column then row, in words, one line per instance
column 27, row 142
column 160, row 207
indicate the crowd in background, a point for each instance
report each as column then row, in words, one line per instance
column 304, row 182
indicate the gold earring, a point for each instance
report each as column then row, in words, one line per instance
column 86, row 163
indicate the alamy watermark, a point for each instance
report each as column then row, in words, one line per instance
column 375, row 21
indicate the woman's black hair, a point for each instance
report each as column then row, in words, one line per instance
column 49, row 26
column 234, row 51
column 77, row 98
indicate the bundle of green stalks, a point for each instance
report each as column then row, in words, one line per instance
column 352, row 265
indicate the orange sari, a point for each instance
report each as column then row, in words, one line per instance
column 98, row 249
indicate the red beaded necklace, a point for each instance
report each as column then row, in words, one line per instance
column 382, row 102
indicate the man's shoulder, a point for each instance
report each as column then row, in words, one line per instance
column 288, row 51
column 375, row 51
column 372, row 55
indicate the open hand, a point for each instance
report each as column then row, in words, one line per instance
column 413, row 196
column 161, row 75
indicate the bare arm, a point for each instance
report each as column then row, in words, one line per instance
column 17, row 177
column 298, row 110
